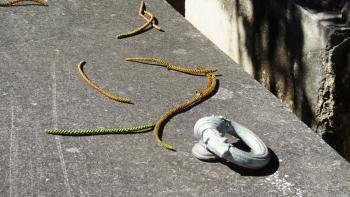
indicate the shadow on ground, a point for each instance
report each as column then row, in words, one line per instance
column 269, row 169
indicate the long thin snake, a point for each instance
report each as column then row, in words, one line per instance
column 204, row 93
column 12, row 2
column 143, row 11
column 89, row 82
column 200, row 95
column 100, row 131
column 148, row 22
column 192, row 71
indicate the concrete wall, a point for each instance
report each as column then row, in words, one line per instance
column 299, row 54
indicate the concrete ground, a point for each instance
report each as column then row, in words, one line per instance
column 40, row 88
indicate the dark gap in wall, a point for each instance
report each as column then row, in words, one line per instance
column 341, row 57
column 179, row 5
column 322, row 5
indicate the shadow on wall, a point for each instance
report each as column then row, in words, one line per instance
column 271, row 38
column 274, row 43
column 273, row 33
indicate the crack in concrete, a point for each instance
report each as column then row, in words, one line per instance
column 57, row 138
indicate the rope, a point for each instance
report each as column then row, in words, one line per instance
column 12, row 2
column 192, row 71
column 101, row 131
column 204, row 93
column 89, row 82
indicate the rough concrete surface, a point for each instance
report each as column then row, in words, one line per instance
column 40, row 88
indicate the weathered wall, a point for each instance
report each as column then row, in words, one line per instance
column 333, row 113
column 268, row 40
column 290, row 50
